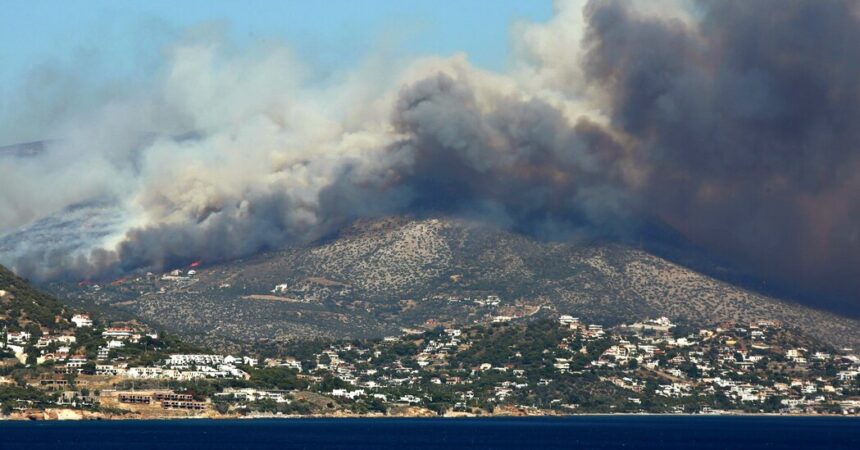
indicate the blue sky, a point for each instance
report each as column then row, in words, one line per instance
column 123, row 39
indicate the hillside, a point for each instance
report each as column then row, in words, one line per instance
column 550, row 365
column 23, row 306
column 379, row 276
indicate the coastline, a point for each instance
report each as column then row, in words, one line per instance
column 71, row 415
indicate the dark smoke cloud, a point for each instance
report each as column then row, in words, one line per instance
column 734, row 123
column 748, row 122
column 520, row 161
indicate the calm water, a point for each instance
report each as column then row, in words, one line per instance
column 546, row 433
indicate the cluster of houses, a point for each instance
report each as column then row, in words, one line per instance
column 254, row 395
column 400, row 381
column 487, row 301
column 747, row 364
column 183, row 368
column 51, row 347
column 164, row 398
column 61, row 350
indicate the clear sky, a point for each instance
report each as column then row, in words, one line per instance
column 124, row 38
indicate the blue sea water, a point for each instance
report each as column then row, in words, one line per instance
column 583, row 432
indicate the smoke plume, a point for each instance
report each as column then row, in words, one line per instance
column 733, row 122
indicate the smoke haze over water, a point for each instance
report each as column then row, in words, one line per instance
column 736, row 123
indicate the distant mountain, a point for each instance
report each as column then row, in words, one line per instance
column 74, row 230
column 378, row 276
column 24, row 149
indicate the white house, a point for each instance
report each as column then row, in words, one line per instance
column 76, row 361
column 200, row 360
column 82, row 320
column 410, row 399
column 568, row 320
column 107, row 369
column 145, row 372
column 847, row 375
column 118, row 332
column 292, row 363
column 18, row 337
column 352, row 395
column 45, row 341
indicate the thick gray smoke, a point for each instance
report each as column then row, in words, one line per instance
column 733, row 122
column 748, row 122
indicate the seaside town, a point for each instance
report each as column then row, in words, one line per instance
column 507, row 366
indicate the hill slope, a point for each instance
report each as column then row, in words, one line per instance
column 22, row 305
column 378, row 276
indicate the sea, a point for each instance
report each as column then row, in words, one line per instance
column 580, row 432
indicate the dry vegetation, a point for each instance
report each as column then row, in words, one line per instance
column 380, row 275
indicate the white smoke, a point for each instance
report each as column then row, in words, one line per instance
column 678, row 113
column 219, row 139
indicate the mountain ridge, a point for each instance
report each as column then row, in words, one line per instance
column 378, row 276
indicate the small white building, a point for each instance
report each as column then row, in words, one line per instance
column 847, row 375
column 118, row 333
column 18, row 337
column 796, row 354
column 110, row 370
column 568, row 320
column 145, row 372
column 411, row 399
column 352, row 395
column 45, row 341
column 200, row 360
column 82, row 320
column 76, row 361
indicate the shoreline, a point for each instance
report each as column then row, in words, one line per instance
column 95, row 418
